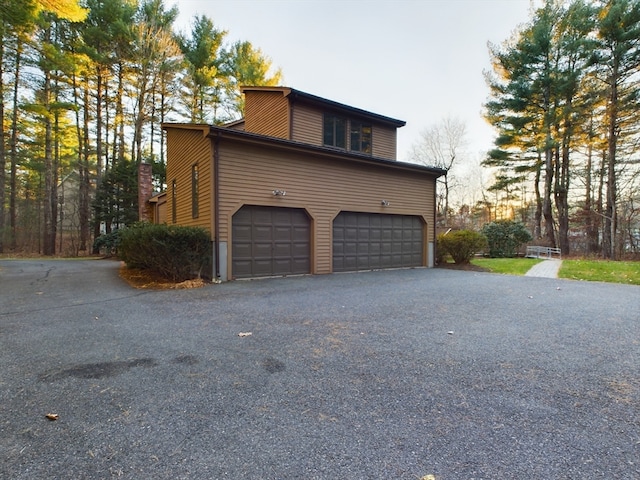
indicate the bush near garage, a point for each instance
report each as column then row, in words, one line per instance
column 462, row 245
column 505, row 237
column 175, row 252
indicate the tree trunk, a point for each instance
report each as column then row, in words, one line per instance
column 609, row 233
column 546, row 201
column 591, row 230
column 84, row 172
column 96, row 225
column 537, row 229
column 49, row 233
column 3, row 160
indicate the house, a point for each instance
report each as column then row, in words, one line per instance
column 300, row 185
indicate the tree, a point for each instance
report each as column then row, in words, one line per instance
column 505, row 237
column 17, row 20
column 550, row 112
column 83, row 92
column 202, row 96
column 245, row 65
column 619, row 57
column 441, row 145
column 64, row 9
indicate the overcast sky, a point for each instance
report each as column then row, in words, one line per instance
column 415, row 60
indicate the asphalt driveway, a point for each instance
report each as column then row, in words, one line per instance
column 403, row 374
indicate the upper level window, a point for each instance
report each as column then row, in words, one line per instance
column 334, row 131
column 194, row 191
column 361, row 137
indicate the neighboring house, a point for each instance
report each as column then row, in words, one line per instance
column 300, row 185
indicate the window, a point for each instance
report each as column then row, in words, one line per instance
column 194, row 191
column 334, row 131
column 174, row 194
column 361, row 137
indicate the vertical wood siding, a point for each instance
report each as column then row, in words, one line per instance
column 185, row 148
column 267, row 113
column 322, row 187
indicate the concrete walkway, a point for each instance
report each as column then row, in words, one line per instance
column 546, row 268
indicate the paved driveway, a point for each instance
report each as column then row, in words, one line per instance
column 381, row 375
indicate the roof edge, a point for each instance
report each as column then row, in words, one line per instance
column 216, row 131
column 295, row 95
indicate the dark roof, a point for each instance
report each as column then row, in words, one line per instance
column 297, row 95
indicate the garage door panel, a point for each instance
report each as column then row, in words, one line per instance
column 270, row 241
column 365, row 241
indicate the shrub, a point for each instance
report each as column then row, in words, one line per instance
column 505, row 237
column 175, row 252
column 108, row 243
column 462, row 245
column 441, row 253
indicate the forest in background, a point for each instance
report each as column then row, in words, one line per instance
column 85, row 86
column 564, row 99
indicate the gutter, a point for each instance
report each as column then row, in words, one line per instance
column 216, row 202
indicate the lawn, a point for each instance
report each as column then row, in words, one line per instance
column 589, row 270
column 511, row 266
column 601, row 271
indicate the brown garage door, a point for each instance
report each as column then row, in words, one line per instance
column 270, row 241
column 366, row 241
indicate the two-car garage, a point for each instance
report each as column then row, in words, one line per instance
column 269, row 241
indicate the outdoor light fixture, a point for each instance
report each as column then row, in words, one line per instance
column 385, row 203
column 279, row 193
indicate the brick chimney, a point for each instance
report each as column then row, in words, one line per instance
column 145, row 191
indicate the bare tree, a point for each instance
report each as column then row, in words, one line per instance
column 441, row 145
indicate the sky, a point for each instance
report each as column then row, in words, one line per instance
column 420, row 61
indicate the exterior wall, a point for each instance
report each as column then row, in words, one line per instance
column 323, row 187
column 384, row 141
column 185, row 147
column 158, row 208
column 307, row 125
column 307, row 128
column 267, row 113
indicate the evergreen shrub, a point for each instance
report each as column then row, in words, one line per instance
column 107, row 244
column 175, row 252
column 505, row 237
column 462, row 245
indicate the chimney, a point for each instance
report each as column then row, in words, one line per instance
column 145, row 191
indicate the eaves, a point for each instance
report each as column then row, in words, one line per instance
column 327, row 152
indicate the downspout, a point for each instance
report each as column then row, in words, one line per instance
column 435, row 219
column 216, row 202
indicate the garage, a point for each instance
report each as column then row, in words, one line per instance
column 367, row 241
column 270, row 241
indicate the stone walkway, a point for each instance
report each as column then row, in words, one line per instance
column 546, row 268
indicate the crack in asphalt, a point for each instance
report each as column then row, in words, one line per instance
column 62, row 307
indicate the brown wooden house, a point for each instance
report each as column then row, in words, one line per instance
column 301, row 185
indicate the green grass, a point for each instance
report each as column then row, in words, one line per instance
column 588, row 270
column 511, row 266
column 601, row 271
